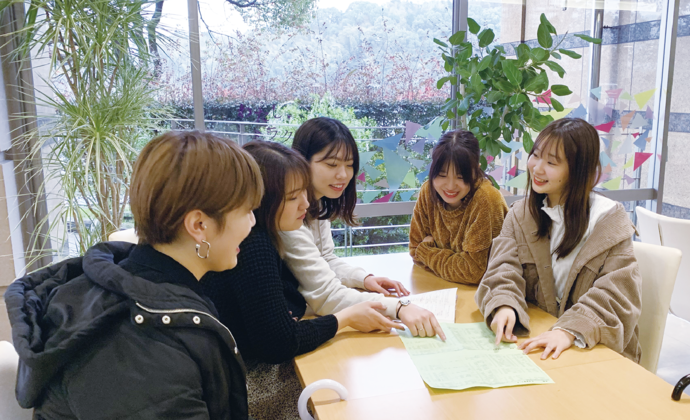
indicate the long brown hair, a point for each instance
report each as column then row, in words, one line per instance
column 279, row 165
column 315, row 136
column 461, row 149
column 580, row 143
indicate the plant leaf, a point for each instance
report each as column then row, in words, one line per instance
column 556, row 105
column 538, row 84
column 473, row 26
column 516, row 100
column 555, row 55
column 571, row 54
column 476, row 83
column 441, row 43
column 486, row 37
column 504, row 86
column 544, row 36
column 503, row 146
column 464, row 106
column 485, row 63
column 493, row 96
column 588, row 38
column 457, row 38
column 512, row 73
column 464, row 72
column 544, row 21
column 560, row 90
column 522, row 49
column 527, row 142
column 442, row 81
column 555, row 67
column 515, row 120
column 464, row 51
column 483, row 163
column 539, row 54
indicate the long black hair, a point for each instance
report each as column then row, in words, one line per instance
column 315, row 136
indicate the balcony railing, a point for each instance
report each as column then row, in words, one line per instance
column 349, row 240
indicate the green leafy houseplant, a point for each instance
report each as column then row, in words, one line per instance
column 507, row 86
column 100, row 88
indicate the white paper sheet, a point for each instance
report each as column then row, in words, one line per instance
column 440, row 302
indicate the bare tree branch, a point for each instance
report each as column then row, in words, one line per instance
column 240, row 3
column 153, row 45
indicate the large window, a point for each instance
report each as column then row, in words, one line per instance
column 374, row 65
column 676, row 186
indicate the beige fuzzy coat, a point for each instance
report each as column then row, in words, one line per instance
column 602, row 298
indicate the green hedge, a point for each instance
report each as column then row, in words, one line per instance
column 384, row 113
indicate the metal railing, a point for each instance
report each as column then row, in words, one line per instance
column 347, row 245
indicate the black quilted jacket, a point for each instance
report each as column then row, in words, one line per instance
column 123, row 332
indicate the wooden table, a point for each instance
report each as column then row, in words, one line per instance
column 383, row 383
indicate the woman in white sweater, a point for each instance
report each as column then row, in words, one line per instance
column 325, row 280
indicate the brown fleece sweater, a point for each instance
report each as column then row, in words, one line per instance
column 462, row 237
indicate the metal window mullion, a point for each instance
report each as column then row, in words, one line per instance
column 17, row 75
column 195, row 57
column 460, row 12
column 662, row 106
column 348, row 232
column 595, row 51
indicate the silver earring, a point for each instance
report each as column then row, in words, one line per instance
column 198, row 247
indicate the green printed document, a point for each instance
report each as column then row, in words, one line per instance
column 468, row 359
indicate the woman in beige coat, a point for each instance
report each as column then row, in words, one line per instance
column 583, row 271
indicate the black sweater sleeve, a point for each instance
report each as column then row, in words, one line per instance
column 251, row 302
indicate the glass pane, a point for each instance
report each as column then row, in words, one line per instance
column 372, row 65
column 619, row 105
column 676, row 187
column 375, row 235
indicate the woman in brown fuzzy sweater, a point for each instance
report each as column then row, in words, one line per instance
column 458, row 213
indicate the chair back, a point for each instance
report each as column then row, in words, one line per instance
column 648, row 226
column 128, row 235
column 658, row 269
column 9, row 408
column 675, row 233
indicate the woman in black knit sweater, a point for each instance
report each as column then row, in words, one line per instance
column 259, row 299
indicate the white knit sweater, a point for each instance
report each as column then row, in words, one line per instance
column 326, row 280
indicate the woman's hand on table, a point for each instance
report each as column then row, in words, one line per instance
column 366, row 317
column 503, row 324
column 420, row 321
column 555, row 341
column 385, row 286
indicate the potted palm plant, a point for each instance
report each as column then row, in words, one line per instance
column 100, row 86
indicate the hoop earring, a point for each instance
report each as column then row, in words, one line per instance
column 198, row 247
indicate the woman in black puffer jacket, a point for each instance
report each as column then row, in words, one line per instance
column 125, row 331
